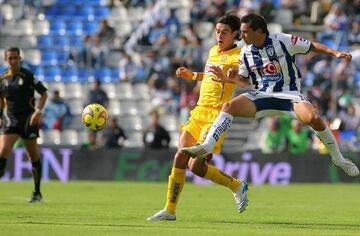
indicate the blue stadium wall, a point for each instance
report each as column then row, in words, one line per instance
column 68, row 164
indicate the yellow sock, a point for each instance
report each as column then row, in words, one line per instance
column 175, row 185
column 217, row 176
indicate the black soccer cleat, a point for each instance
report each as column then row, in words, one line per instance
column 36, row 197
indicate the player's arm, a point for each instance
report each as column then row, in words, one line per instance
column 185, row 73
column 322, row 49
column 39, row 108
column 232, row 76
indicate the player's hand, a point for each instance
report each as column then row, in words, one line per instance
column 231, row 76
column 184, row 72
column 219, row 74
column 343, row 55
column 35, row 118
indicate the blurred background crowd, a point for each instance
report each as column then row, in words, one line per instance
column 123, row 54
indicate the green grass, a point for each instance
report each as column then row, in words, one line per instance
column 121, row 208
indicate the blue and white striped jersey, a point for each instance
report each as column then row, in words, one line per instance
column 272, row 68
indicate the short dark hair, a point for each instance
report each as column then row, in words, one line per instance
column 231, row 20
column 12, row 49
column 256, row 22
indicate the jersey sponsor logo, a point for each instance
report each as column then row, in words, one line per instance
column 271, row 72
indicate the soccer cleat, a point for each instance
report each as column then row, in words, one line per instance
column 197, row 151
column 348, row 167
column 241, row 197
column 36, row 197
column 162, row 215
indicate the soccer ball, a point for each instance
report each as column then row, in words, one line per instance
column 94, row 116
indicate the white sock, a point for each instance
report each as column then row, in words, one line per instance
column 327, row 137
column 220, row 125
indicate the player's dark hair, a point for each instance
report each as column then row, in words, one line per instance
column 12, row 49
column 256, row 22
column 231, row 20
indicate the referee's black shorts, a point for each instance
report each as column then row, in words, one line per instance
column 20, row 125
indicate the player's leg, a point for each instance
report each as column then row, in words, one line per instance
column 33, row 153
column 176, row 179
column 240, row 106
column 6, row 143
column 239, row 188
column 309, row 115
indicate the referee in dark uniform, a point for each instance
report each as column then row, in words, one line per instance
column 19, row 115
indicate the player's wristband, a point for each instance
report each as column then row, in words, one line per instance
column 195, row 75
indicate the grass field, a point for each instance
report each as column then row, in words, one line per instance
column 121, row 208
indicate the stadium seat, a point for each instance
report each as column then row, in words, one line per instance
column 285, row 18
column 39, row 72
column 84, row 74
column 76, row 123
column 101, row 12
column 141, row 91
column 144, row 107
column 103, row 74
column 74, row 27
column 33, row 56
column 76, row 41
column 50, row 137
column 45, row 41
column 169, row 122
column 27, row 41
column 85, row 12
column 128, row 107
column 49, row 58
column 89, row 27
column 67, row 11
column 76, row 106
column 57, row 27
column 52, row 74
column 124, row 90
column 41, row 27
column 131, row 123
column 63, row 56
column 74, row 90
column 174, row 139
column 69, row 74
column 6, row 10
column 61, row 41
column 110, row 90
column 135, row 139
column 69, row 137
column 24, row 27
column 114, row 107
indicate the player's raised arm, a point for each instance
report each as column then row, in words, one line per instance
column 322, row 49
column 185, row 73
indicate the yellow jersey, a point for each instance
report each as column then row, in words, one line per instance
column 215, row 94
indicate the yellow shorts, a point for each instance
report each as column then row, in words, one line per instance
column 199, row 123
